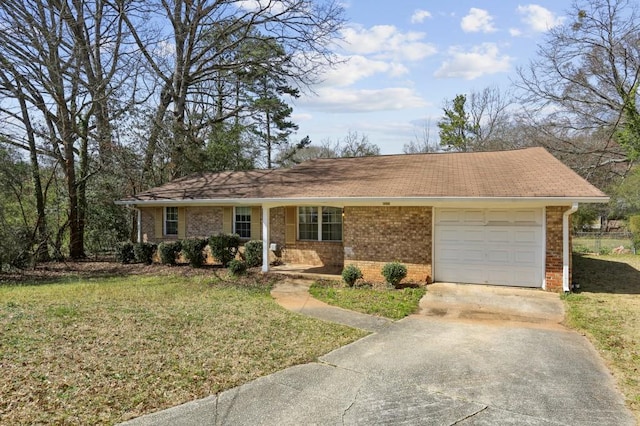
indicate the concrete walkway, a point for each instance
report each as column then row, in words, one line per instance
column 470, row 358
column 293, row 294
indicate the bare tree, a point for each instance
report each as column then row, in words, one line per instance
column 584, row 83
column 422, row 142
column 59, row 65
column 205, row 43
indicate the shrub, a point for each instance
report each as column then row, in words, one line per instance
column 124, row 252
column 237, row 267
column 143, row 252
column 169, row 251
column 224, row 247
column 193, row 249
column 351, row 274
column 253, row 253
column 16, row 247
column 394, row 272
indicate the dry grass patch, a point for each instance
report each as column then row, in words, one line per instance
column 97, row 351
column 607, row 309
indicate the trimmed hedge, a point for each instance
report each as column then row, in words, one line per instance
column 394, row 272
column 224, row 247
column 253, row 253
column 168, row 252
column 350, row 274
column 193, row 250
column 143, row 252
column 237, row 267
column 125, row 252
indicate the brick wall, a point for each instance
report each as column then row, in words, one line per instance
column 148, row 224
column 312, row 253
column 553, row 258
column 203, row 222
column 374, row 236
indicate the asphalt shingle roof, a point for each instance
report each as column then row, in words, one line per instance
column 526, row 173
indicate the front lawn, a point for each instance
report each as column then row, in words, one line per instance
column 607, row 309
column 99, row 351
column 389, row 303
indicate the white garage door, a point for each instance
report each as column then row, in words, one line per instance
column 489, row 246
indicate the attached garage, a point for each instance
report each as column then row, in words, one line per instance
column 489, row 246
column 469, row 217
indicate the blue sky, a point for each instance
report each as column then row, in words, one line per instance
column 405, row 58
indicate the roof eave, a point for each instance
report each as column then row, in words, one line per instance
column 396, row 201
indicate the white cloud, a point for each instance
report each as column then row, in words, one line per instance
column 358, row 67
column 478, row 20
column 364, row 100
column 481, row 60
column 261, row 5
column 419, row 16
column 515, row 32
column 386, row 42
column 538, row 18
column 300, row 117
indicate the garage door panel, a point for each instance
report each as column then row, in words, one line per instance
column 500, row 236
column 500, row 256
column 490, row 246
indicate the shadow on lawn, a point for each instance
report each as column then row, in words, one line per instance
column 605, row 275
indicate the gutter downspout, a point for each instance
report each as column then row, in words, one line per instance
column 565, row 247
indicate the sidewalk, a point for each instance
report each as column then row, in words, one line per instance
column 293, row 294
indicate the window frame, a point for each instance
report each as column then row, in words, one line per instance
column 235, row 221
column 166, row 220
column 320, row 223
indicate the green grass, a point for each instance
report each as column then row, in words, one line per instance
column 607, row 310
column 598, row 245
column 99, row 351
column 389, row 303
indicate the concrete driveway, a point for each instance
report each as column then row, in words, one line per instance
column 474, row 356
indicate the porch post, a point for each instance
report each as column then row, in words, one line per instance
column 265, row 237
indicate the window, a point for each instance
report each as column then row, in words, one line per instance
column 171, row 221
column 242, row 222
column 326, row 226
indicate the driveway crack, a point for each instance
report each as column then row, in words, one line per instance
column 470, row 415
column 355, row 398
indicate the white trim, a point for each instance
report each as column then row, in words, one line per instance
column 233, row 221
column 565, row 247
column 265, row 237
column 374, row 201
column 164, row 221
column 544, row 248
column 433, row 244
column 139, row 224
column 320, row 223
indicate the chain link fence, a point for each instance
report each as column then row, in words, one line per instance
column 603, row 242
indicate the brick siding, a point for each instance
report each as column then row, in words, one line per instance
column 147, row 216
column 374, row 236
column 553, row 257
column 203, row 222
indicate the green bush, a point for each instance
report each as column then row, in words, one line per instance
column 351, row 274
column 124, row 252
column 143, row 252
column 237, row 267
column 16, row 247
column 193, row 250
column 394, row 272
column 224, row 247
column 169, row 251
column 253, row 253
